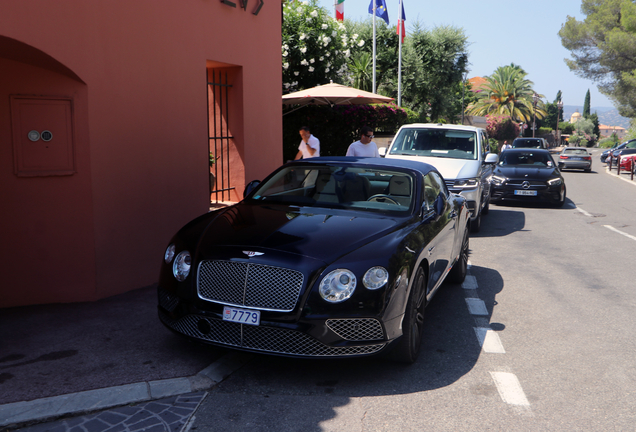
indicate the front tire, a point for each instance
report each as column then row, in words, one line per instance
column 561, row 201
column 408, row 347
column 486, row 208
column 457, row 275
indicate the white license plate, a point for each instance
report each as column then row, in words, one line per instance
column 243, row 316
column 575, row 158
column 526, row 192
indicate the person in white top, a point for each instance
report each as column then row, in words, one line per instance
column 309, row 145
column 505, row 146
column 365, row 147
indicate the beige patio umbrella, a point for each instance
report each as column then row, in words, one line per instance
column 333, row 94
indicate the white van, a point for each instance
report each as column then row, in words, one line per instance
column 460, row 154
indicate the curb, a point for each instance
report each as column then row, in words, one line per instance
column 100, row 399
column 622, row 178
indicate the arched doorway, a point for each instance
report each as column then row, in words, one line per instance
column 47, row 253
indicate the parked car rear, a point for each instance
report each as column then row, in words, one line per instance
column 575, row 158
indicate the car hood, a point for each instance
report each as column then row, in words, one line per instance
column 515, row 172
column 318, row 233
column 449, row 168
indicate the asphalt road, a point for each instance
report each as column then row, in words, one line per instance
column 539, row 338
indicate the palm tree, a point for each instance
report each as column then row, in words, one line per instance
column 360, row 67
column 508, row 92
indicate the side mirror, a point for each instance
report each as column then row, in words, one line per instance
column 382, row 151
column 491, row 158
column 250, row 187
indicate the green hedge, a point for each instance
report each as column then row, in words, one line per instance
column 338, row 126
column 606, row 142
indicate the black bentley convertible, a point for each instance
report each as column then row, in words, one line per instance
column 327, row 257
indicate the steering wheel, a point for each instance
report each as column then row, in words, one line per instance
column 382, row 198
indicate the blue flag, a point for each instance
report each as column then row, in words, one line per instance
column 380, row 10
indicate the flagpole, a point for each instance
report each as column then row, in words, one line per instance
column 400, row 36
column 375, row 5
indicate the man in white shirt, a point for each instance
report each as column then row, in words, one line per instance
column 365, row 147
column 309, row 145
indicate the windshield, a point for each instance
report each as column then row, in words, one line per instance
column 525, row 143
column 436, row 142
column 344, row 187
column 526, row 159
column 579, row 152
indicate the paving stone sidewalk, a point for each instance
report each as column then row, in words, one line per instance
column 165, row 415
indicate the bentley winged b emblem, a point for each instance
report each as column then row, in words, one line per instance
column 252, row 253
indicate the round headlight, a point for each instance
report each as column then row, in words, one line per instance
column 181, row 266
column 375, row 278
column 337, row 286
column 169, row 254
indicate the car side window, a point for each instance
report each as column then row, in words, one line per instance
column 484, row 145
column 433, row 186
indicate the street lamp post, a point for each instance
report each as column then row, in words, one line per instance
column 535, row 99
column 559, row 108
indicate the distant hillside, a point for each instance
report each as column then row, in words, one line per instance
column 606, row 115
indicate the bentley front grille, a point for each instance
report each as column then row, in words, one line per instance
column 260, row 338
column 357, row 329
column 249, row 285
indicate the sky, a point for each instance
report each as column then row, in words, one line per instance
column 501, row 32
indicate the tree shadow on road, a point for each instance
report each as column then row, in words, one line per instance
column 295, row 394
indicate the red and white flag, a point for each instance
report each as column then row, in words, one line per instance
column 340, row 10
column 400, row 24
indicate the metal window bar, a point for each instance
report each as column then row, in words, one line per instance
column 218, row 133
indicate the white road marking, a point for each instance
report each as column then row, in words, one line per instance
column 509, row 388
column 629, row 236
column 609, row 227
column 489, row 340
column 507, row 383
column 470, row 282
column 579, row 209
column 476, row 306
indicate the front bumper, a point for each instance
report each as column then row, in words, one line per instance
column 275, row 340
column 506, row 192
column 308, row 337
column 576, row 164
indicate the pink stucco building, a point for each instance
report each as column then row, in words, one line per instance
column 110, row 112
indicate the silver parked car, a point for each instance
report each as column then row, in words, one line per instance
column 575, row 158
column 460, row 154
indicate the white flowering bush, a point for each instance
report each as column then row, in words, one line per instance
column 315, row 46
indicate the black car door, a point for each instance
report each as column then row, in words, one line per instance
column 443, row 226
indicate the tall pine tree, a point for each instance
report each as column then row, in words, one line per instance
column 586, row 105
